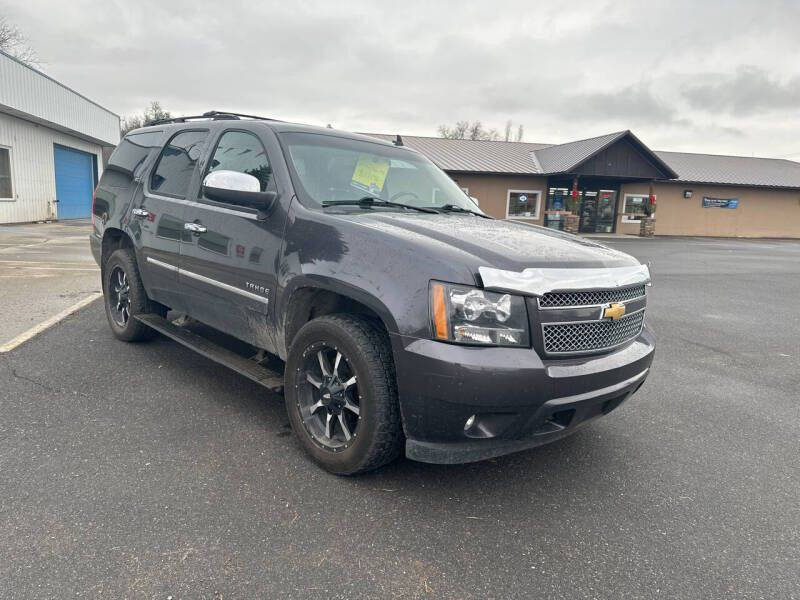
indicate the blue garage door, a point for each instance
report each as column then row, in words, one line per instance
column 74, row 183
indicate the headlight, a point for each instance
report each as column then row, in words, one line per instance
column 468, row 315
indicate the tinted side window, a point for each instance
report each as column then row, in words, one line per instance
column 177, row 163
column 128, row 158
column 242, row 152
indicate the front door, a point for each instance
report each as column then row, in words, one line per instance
column 588, row 212
column 598, row 211
column 228, row 263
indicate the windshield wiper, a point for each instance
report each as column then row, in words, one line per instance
column 460, row 209
column 368, row 201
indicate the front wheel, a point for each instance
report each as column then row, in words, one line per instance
column 341, row 395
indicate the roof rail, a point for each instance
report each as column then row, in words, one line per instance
column 214, row 115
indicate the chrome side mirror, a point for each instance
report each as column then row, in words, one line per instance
column 241, row 189
column 232, row 181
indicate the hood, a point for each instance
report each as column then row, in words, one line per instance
column 494, row 243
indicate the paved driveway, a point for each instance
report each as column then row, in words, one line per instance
column 144, row 471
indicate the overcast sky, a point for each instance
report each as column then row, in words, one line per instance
column 701, row 75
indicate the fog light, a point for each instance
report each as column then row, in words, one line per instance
column 470, row 422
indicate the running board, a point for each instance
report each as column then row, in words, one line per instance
column 271, row 380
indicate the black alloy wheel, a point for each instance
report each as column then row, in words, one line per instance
column 119, row 296
column 125, row 297
column 328, row 398
column 341, row 394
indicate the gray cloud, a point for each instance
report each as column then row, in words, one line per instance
column 564, row 71
column 749, row 90
column 637, row 103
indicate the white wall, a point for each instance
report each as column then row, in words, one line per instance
column 33, row 175
column 26, row 91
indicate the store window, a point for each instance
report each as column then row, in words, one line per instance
column 634, row 207
column 523, row 204
column 6, row 189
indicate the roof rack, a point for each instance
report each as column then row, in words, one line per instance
column 214, row 115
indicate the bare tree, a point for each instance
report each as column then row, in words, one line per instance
column 14, row 42
column 464, row 130
column 152, row 113
column 474, row 130
column 456, row 132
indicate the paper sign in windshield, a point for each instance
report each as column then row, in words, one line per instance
column 370, row 173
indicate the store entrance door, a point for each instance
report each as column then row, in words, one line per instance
column 598, row 208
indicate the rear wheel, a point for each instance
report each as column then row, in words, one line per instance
column 341, row 395
column 125, row 298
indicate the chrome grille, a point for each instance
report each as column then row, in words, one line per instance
column 590, row 298
column 591, row 335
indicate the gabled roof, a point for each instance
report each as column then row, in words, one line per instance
column 733, row 170
column 524, row 158
column 561, row 158
column 569, row 157
column 521, row 158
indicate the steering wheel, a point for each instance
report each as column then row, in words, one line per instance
column 394, row 197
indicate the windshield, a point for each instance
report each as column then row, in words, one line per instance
column 332, row 169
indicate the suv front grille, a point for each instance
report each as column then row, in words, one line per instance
column 591, row 335
column 590, row 298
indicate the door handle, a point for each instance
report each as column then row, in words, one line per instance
column 140, row 212
column 195, row 228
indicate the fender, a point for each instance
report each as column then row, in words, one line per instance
column 316, row 281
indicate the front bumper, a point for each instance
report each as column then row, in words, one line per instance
column 520, row 401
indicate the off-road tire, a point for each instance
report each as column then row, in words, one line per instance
column 379, row 438
column 133, row 330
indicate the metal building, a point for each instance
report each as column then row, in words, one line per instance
column 51, row 146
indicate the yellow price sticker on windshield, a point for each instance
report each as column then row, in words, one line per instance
column 370, row 173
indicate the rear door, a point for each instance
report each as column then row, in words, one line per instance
column 160, row 214
column 228, row 267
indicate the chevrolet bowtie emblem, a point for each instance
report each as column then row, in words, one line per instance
column 614, row 311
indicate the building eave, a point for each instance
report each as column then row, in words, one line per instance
column 54, row 126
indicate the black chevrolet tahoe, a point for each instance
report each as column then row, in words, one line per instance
column 357, row 278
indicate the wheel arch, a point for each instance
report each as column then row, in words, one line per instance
column 311, row 299
column 114, row 239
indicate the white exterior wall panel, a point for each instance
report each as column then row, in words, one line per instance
column 33, row 168
column 37, row 112
column 31, row 94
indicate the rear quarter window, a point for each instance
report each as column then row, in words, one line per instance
column 129, row 158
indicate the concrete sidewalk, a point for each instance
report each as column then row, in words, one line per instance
column 44, row 269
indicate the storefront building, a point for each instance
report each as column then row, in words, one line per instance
column 611, row 183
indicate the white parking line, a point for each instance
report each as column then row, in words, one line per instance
column 17, row 267
column 46, row 262
column 47, row 323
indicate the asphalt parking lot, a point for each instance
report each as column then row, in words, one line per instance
column 44, row 269
column 145, row 471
